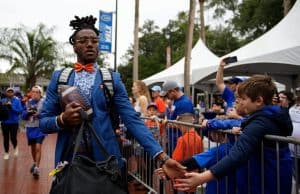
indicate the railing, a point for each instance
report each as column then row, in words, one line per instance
column 141, row 166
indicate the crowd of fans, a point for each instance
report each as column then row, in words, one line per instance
column 160, row 104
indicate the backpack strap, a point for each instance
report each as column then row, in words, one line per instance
column 108, row 88
column 107, row 83
column 64, row 77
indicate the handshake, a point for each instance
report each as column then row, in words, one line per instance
column 183, row 180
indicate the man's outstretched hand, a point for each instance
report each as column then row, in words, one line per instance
column 173, row 169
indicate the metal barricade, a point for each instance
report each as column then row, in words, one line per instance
column 141, row 166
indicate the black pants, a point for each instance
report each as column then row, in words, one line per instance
column 9, row 130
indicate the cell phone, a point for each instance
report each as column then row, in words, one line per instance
column 229, row 60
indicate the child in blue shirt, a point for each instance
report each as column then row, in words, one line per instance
column 255, row 97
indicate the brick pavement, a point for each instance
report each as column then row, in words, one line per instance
column 15, row 177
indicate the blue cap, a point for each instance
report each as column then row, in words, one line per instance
column 156, row 88
column 234, row 80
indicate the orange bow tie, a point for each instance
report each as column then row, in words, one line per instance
column 88, row 67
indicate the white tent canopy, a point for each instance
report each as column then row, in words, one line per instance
column 201, row 57
column 276, row 53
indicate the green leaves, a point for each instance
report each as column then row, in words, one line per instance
column 31, row 52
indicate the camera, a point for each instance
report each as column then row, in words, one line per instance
column 229, row 60
column 33, row 109
column 8, row 104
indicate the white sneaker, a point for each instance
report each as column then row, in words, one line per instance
column 36, row 172
column 16, row 153
column 6, row 156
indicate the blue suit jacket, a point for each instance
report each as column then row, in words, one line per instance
column 100, row 120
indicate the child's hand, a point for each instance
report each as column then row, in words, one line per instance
column 160, row 172
column 192, row 180
column 204, row 123
column 236, row 130
column 231, row 113
column 189, row 183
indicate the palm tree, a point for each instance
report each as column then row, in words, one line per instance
column 31, row 53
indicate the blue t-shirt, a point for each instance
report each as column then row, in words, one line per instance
column 182, row 105
column 228, row 97
column 209, row 158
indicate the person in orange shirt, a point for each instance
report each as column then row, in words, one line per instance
column 153, row 124
column 161, row 107
column 190, row 142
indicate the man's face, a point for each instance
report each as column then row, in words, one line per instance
column 283, row 100
column 86, row 46
column 171, row 94
column 9, row 94
column 232, row 86
column 155, row 94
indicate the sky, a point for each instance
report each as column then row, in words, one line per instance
column 58, row 13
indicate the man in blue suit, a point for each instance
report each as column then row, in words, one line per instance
column 88, row 79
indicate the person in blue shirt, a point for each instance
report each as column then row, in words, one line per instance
column 11, row 125
column 181, row 104
column 255, row 97
column 227, row 88
column 35, row 137
column 87, row 79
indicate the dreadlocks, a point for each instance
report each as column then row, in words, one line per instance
column 78, row 24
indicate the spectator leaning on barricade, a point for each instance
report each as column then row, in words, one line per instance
column 190, row 142
column 227, row 90
column 206, row 159
column 255, row 98
column 294, row 112
column 10, row 126
column 161, row 108
column 181, row 104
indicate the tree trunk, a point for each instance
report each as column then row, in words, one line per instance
column 202, row 24
column 136, row 42
column 188, row 48
column 287, row 5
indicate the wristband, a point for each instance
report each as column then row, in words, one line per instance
column 163, row 160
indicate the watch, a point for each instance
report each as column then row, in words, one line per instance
column 163, row 160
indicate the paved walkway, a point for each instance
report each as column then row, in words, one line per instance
column 15, row 177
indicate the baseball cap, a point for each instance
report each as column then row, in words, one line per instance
column 234, row 80
column 152, row 105
column 186, row 117
column 156, row 88
column 9, row 89
column 168, row 85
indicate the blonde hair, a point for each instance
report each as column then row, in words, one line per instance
column 143, row 89
column 39, row 88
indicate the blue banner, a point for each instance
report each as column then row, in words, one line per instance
column 105, row 27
